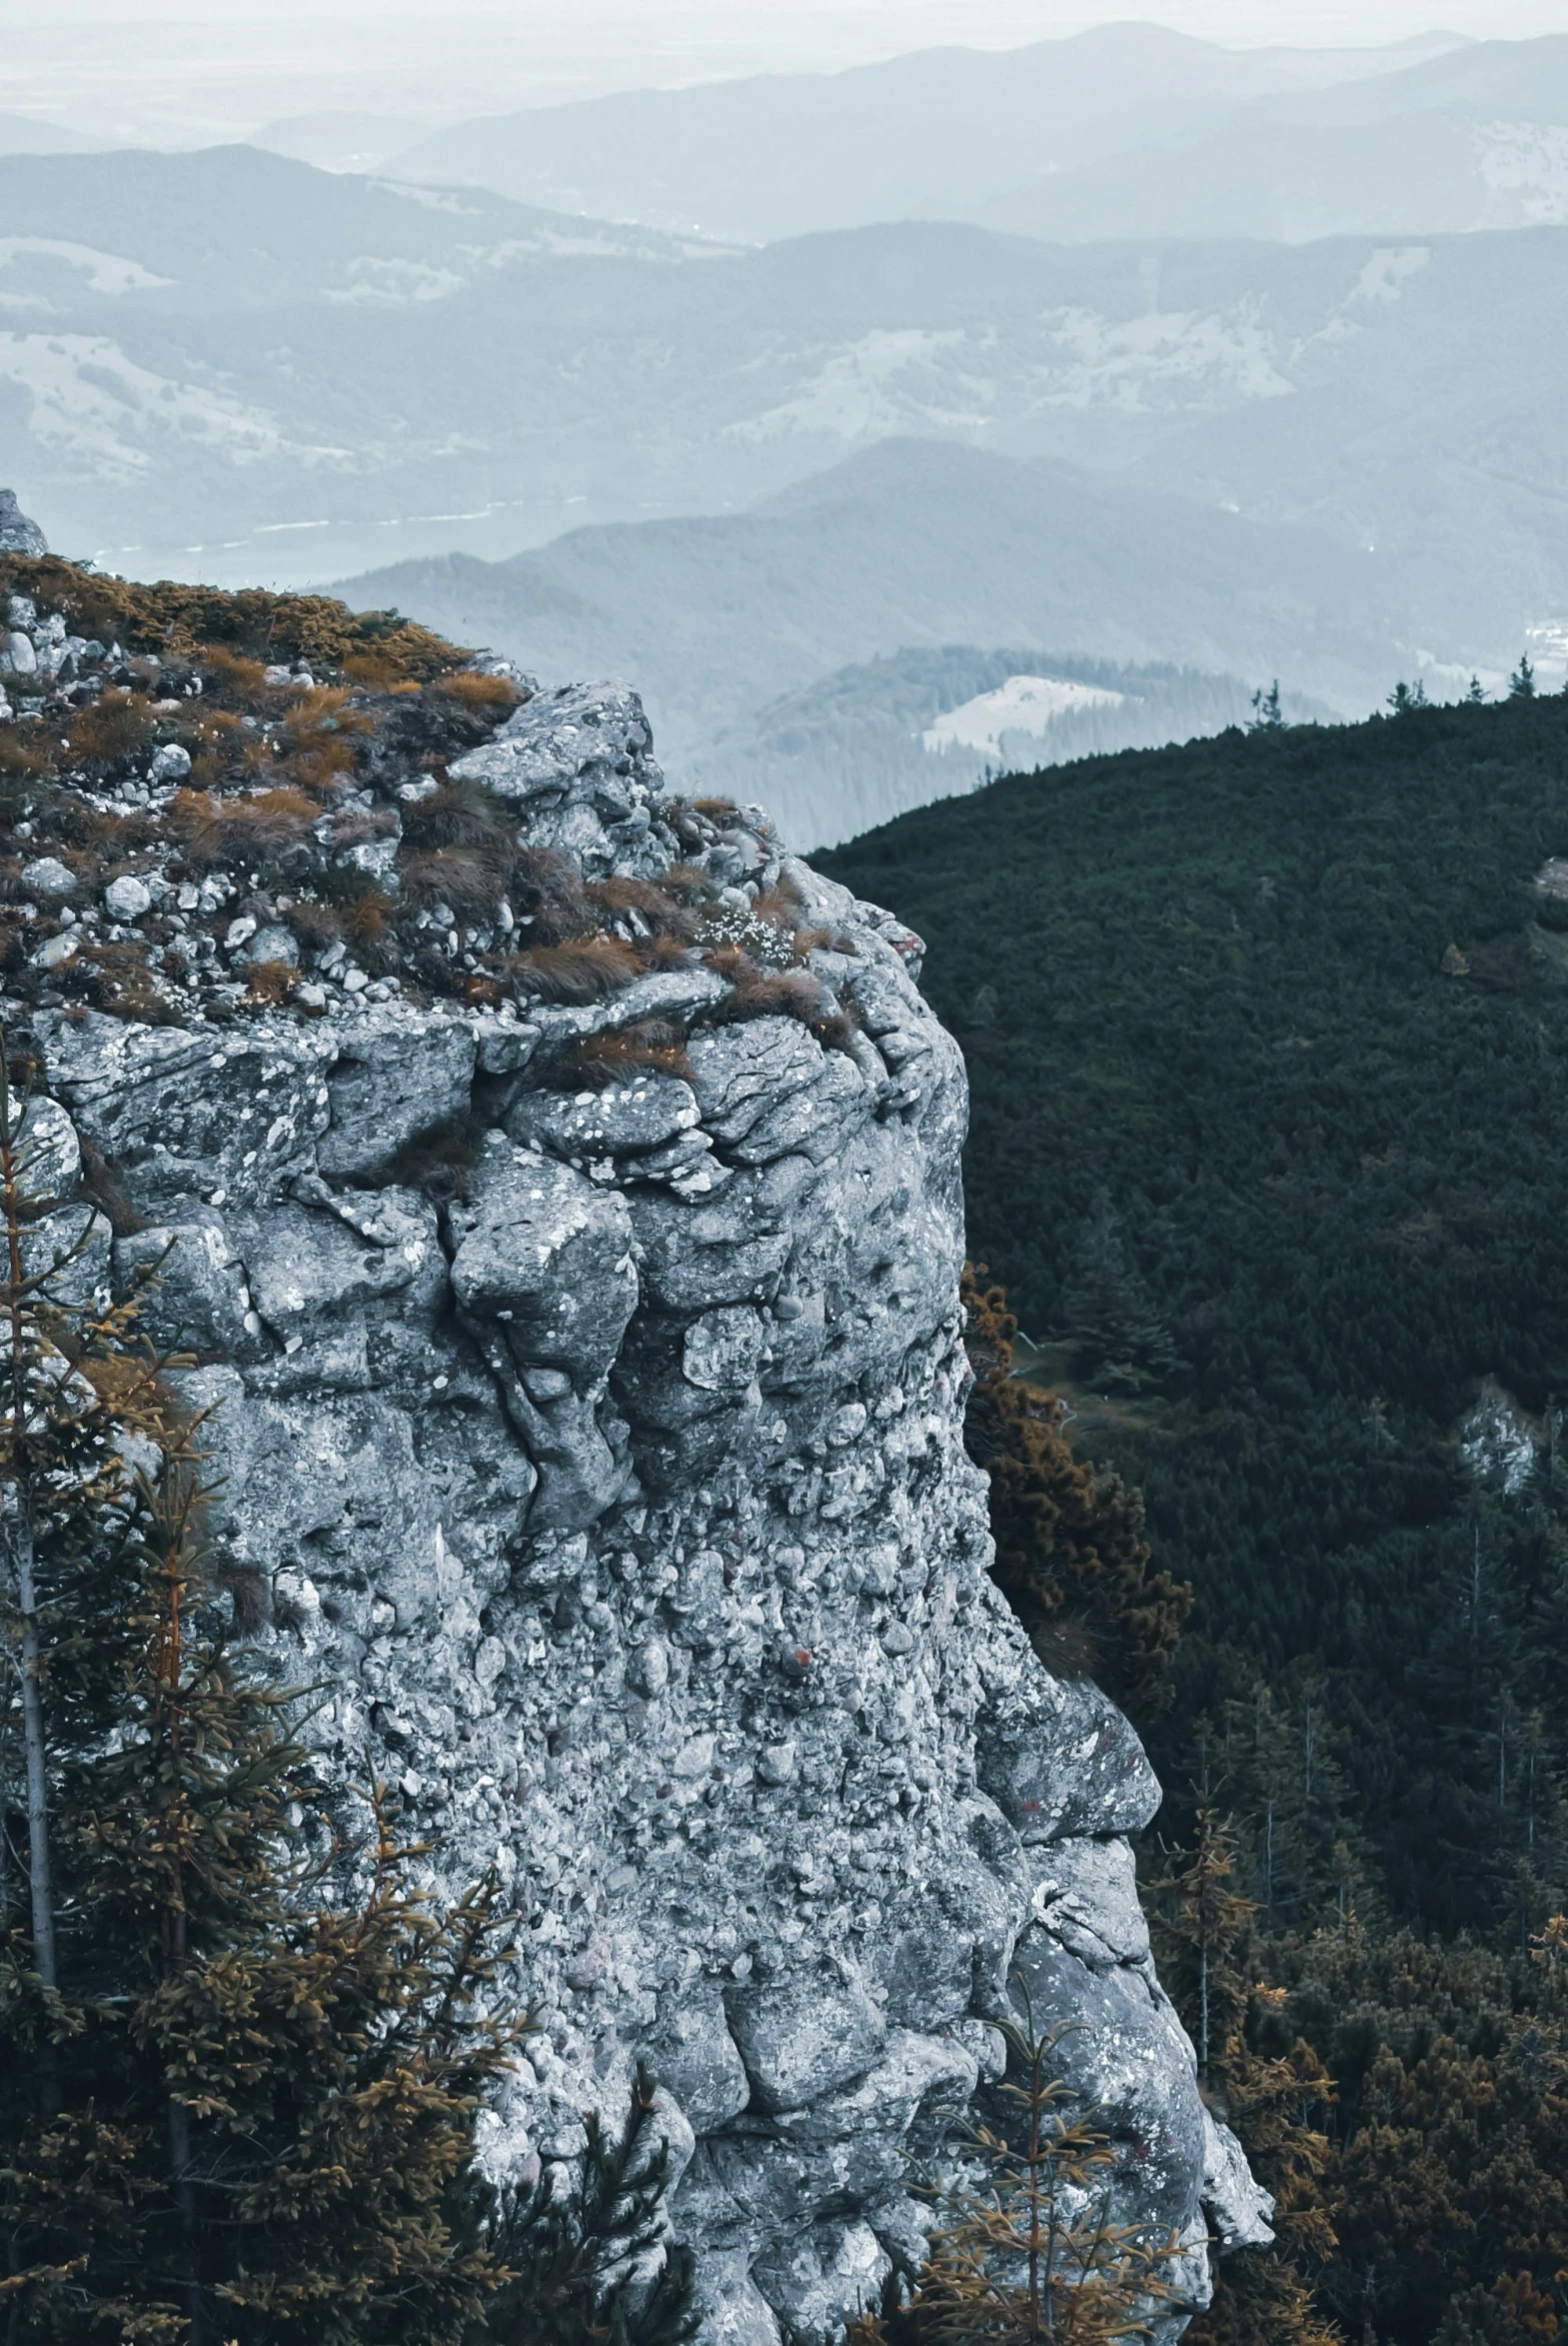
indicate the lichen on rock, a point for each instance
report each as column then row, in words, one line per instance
column 588, row 1383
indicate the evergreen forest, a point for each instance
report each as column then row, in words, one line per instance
column 1266, row 1038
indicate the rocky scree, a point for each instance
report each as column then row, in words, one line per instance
column 572, row 1275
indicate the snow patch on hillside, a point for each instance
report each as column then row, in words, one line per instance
column 1162, row 359
column 93, row 404
column 1382, row 279
column 1028, row 705
column 376, row 280
column 890, row 378
column 1528, row 160
column 105, row 272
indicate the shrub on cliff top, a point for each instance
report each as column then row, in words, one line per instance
column 173, row 620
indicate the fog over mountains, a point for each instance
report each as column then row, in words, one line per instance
column 747, row 472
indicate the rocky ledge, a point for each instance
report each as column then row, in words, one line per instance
column 587, row 1394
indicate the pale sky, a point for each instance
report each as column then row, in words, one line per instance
column 190, row 71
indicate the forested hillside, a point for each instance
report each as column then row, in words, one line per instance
column 1268, row 1038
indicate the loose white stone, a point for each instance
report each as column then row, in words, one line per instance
column 47, row 876
column 127, row 897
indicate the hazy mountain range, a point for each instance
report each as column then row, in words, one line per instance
column 744, row 475
column 871, row 741
column 196, row 347
column 911, row 544
column 22, row 134
column 1130, row 130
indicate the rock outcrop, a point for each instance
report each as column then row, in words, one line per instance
column 619, row 1498
column 17, row 533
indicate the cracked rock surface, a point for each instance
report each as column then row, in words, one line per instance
column 620, row 1504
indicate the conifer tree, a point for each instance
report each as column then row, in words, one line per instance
column 264, row 2121
column 1405, row 699
column 1120, row 1341
column 1025, row 2249
column 236, row 2103
column 1478, row 692
column 1071, row 1556
column 587, row 2249
column 1267, row 715
column 1521, row 684
column 1208, row 1956
column 77, row 1389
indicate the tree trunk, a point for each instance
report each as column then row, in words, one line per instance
column 185, row 2202
column 35, row 1749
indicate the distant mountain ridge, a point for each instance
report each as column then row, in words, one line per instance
column 1473, row 140
column 232, row 364
column 1126, row 130
column 909, row 544
column 26, row 134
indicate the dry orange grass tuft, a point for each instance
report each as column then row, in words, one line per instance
column 582, row 969
column 660, row 913
column 319, row 736
column 120, row 978
column 378, row 672
column 111, row 727
column 758, row 993
column 234, row 677
column 789, row 993
column 314, row 924
column 690, row 884
column 487, row 696
column 365, row 916
column 20, row 761
column 463, row 877
column 547, row 891
column 217, row 830
column 602, row 1060
column 781, row 904
column 271, row 983
column 462, row 815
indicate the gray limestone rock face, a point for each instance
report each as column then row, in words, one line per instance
column 48, row 1151
column 691, row 2051
column 385, row 1088
column 806, row 2034
column 620, row 1508
column 1065, row 1762
column 17, row 533
column 191, row 1283
column 190, row 1116
column 580, row 762
column 72, row 1251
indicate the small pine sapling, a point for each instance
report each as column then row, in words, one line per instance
column 1029, row 2250
column 589, row 2251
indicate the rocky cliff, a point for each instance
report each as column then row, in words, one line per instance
column 579, row 1323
